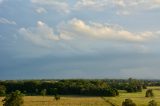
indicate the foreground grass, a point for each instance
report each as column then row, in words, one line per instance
column 138, row 98
column 64, row 101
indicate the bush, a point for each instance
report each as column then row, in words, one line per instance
column 2, row 90
column 149, row 93
column 144, row 87
column 152, row 103
column 14, row 99
column 128, row 102
column 56, row 97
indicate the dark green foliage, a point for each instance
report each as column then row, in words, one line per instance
column 2, row 90
column 107, row 87
column 144, row 87
column 64, row 87
column 81, row 87
column 27, row 87
column 133, row 85
column 133, row 88
column 52, row 91
column 149, row 93
column 14, row 99
column 74, row 87
column 152, row 103
column 128, row 102
column 130, row 85
column 30, row 87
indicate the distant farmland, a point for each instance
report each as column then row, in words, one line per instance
column 139, row 98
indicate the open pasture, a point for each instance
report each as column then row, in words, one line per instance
column 138, row 98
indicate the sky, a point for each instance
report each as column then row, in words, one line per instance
column 59, row 39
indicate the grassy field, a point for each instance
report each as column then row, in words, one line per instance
column 138, row 98
column 64, row 101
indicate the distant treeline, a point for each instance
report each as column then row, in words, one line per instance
column 75, row 87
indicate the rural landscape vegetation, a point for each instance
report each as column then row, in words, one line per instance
column 73, row 92
column 79, row 53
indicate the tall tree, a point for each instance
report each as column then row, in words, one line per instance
column 14, row 99
column 149, row 93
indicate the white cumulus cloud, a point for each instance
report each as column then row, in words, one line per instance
column 41, row 34
column 79, row 36
column 105, row 32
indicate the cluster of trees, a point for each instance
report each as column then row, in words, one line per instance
column 129, row 102
column 107, row 87
column 134, row 86
column 130, row 85
column 64, row 87
column 151, row 82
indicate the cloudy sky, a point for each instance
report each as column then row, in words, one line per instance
column 79, row 39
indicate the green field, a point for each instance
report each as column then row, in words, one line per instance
column 138, row 98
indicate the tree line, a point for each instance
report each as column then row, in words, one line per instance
column 62, row 87
column 106, row 87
